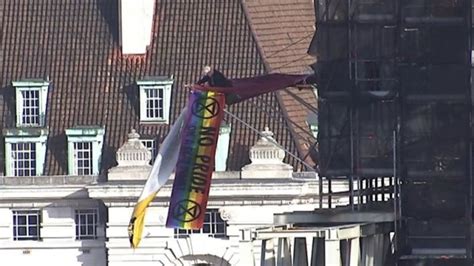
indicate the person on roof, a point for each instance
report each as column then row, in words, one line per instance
column 213, row 78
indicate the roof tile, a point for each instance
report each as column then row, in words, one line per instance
column 75, row 45
column 284, row 29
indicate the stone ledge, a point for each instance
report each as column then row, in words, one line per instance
column 47, row 180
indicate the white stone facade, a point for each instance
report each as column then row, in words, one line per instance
column 243, row 200
column 58, row 244
column 241, row 203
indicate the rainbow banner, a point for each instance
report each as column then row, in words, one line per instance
column 196, row 160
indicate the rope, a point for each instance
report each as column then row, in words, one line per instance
column 268, row 139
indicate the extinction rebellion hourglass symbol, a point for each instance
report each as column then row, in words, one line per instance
column 186, row 211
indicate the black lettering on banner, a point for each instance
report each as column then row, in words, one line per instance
column 208, row 131
column 199, row 180
column 206, row 141
column 201, row 167
column 203, row 158
column 199, row 190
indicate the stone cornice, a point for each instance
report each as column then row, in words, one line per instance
column 226, row 188
column 47, row 181
column 41, row 193
column 224, row 192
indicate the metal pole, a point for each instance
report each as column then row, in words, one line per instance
column 469, row 26
column 398, row 163
column 395, row 188
column 321, row 191
column 469, row 203
column 351, row 191
column 329, row 193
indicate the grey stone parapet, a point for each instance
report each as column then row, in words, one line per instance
column 47, row 180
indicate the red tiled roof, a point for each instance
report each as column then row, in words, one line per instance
column 283, row 30
column 75, row 45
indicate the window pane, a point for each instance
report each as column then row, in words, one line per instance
column 221, row 228
column 23, row 155
column 83, row 229
column 33, row 231
column 154, row 102
column 83, row 158
column 30, row 111
column 26, row 225
column 150, row 145
column 21, row 220
column 86, row 223
column 32, row 220
column 21, row 231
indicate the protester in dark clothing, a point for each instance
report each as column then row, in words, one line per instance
column 214, row 78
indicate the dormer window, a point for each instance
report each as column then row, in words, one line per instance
column 82, row 157
column 150, row 145
column 25, row 151
column 155, row 98
column 85, row 149
column 31, row 97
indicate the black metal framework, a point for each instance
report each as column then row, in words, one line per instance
column 395, row 114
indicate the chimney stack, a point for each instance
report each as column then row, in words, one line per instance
column 136, row 20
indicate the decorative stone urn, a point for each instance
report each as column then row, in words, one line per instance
column 133, row 160
column 267, row 159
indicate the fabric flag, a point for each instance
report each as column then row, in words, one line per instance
column 162, row 169
column 196, row 160
column 196, row 151
column 246, row 88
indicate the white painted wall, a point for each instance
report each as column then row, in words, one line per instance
column 158, row 247
column 57, row 246
column 243, row 203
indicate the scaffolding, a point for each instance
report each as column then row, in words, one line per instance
column 394, row 116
